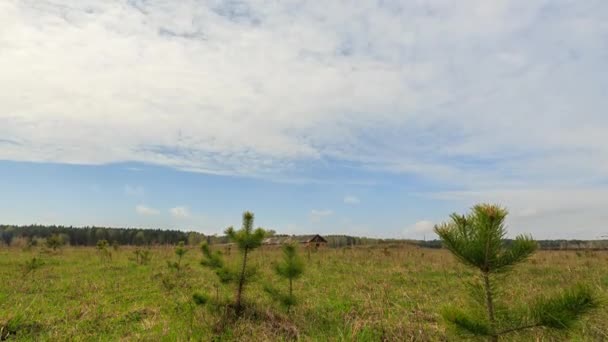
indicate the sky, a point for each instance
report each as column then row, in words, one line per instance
column 373, row 118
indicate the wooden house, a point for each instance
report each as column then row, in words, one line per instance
column 307, row 240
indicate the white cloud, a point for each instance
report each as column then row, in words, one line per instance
column 351, row 200
column 317, row 215
column 180, row 212
column 423, row 226
column 145, row 210
column 569, row 212
column 207, row 74
column 423, row 229
column 475, row 96
column 135, row 191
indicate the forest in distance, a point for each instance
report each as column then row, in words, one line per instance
column 22, row 235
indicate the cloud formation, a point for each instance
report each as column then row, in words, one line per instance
column 351, row 200
column 316, row 215
column 481, row 92
column 145, row 210
column 134, row 190
column 180, row 212
column 484, row 99
column 423, row 226
column 420, row 230
column 569, row 212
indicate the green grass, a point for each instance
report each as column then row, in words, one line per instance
column 363, row 294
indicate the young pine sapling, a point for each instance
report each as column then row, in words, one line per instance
column 103, row 249
column 32, row 265
column 142, row 256
column 477, row 240
column 290, row 268
column 247, row 239
column 180, row 251
column 55, row 242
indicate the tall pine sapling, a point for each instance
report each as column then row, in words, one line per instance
column 247, row 239
column 477, row 240
column 290, row 268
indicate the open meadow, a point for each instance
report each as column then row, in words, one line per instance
column 351, row 294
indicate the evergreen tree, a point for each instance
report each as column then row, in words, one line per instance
column 54, row 242
column 476, row 240
column 180, row 251
column 102, row 247
column 290, row 268
column 7, row 235
column 247, row 239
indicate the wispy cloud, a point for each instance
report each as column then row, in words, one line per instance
column 180, row 212
column 568, row 212
column 351, row 200
column 474, row 97
column 146, row 211
column 317, row 215
column 135, row 191
column 419, row 230
column 383, row 95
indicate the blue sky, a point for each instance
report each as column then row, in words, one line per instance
column 377, row 118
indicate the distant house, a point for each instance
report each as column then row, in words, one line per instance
column 313, row 240
column 308, row 240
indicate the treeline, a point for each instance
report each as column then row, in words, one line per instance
column 89, row 236
column 337, row 241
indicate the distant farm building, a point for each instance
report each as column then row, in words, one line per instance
column 308, row 240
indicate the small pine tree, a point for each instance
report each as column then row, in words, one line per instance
column 247, row 239
column 32, row 265
column 290, row 268
column 477, row 241
column 142, row 256
column 180, row 251
column 54, row 242
column 102, row 247
column 215, row 261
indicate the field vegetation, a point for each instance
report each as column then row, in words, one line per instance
column 366, row 294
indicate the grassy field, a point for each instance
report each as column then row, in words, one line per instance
column 362, row 294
